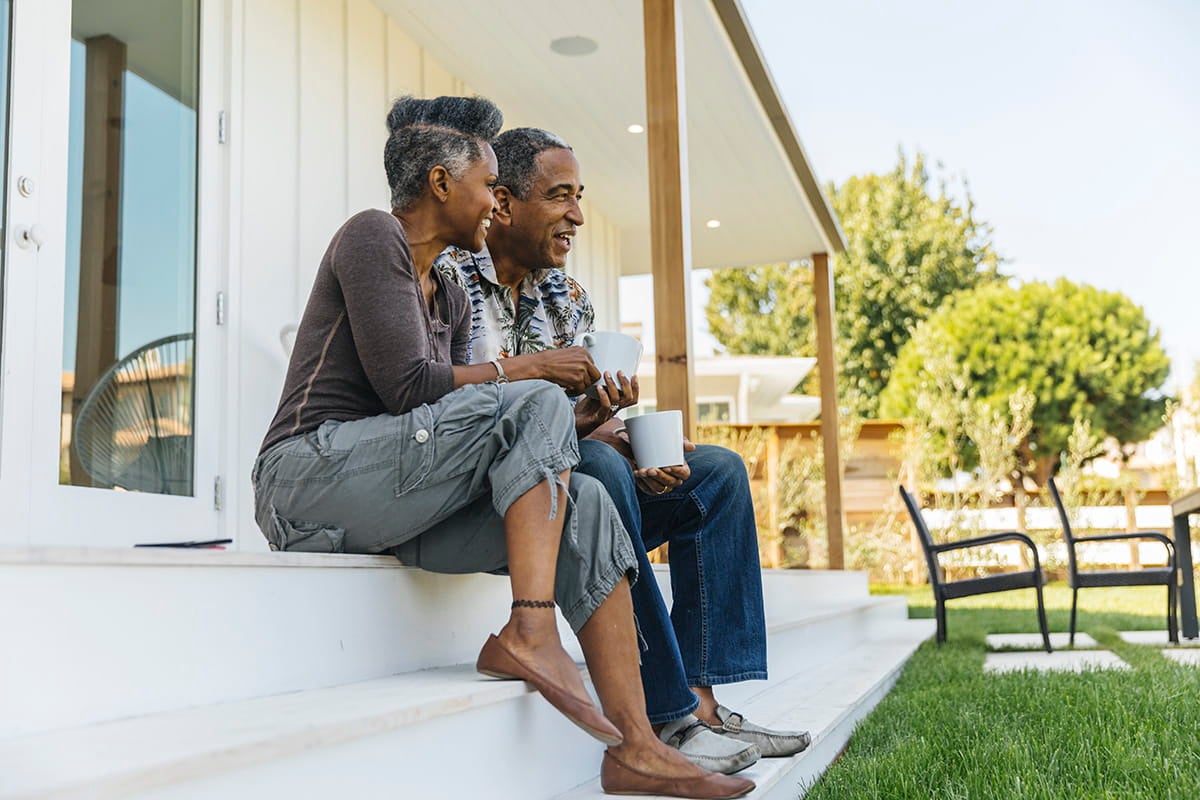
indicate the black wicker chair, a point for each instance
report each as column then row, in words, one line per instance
column 944, row 590
column 1150, row 576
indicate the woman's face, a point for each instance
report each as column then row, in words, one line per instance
column 471, row 203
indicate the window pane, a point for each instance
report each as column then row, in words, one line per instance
column 713, row 411
column 129, row 318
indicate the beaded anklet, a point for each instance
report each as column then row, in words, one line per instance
column 533, row 604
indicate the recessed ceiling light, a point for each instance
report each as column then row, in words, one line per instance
column 713, row 223
column 635, row 128
column 574, row 46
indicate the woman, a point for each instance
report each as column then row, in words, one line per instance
column 385, row 440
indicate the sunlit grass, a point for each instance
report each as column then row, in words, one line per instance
column 949, row 731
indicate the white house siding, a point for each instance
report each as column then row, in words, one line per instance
column 312, row 80
column 595, row 262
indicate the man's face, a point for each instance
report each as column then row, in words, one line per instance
column 542, row 226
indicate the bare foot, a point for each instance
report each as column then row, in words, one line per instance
column 537, row 645
column 645, row 752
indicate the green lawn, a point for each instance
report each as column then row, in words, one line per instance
column 949, row 731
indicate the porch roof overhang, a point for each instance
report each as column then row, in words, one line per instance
column 747, row 167
column 139, row 25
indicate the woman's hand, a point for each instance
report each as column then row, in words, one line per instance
column 571, row 368
column 613, row 394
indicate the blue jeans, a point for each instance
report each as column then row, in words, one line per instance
column 716, row 630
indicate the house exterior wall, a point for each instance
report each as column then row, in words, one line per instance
column 310, row 85
column 595, row 261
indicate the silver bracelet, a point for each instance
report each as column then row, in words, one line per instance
column 500, row 376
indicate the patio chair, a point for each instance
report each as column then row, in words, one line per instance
column 1150, row 576
column 944, row 590
column 134, row 429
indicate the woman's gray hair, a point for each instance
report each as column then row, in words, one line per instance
column 516, row 153
column 423, row 134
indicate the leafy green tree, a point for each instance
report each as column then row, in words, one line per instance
column 1084, row 354
column 909, row 247
column 765, row 310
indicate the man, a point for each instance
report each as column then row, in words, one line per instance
column 522, row 303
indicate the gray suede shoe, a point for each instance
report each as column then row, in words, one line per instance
column 772, row 744
column 702, row 746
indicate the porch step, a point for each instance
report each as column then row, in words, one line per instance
column 160, row 630
column 163, row 630
column 420, row 723
column 410, row 734
column 828, row 701
column 786, row 590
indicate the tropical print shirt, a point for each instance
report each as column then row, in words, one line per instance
column 553, row 310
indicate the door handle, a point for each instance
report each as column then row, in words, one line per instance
column 28, row 236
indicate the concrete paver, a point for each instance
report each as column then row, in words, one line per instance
column 1155, row 638
column 1189, row 657
column 1033, row 641
column 1058, row 661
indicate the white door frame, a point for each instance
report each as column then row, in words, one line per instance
column 80, row 516
column 31, row 65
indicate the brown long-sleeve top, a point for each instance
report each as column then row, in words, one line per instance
column 367, row 343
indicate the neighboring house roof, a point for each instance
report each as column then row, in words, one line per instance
column 747, row 166
column 759, row 388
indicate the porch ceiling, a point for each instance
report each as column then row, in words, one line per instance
column 740, row 171
column 152, row 32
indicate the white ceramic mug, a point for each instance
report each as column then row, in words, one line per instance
column 611, row 352
column 657, row 439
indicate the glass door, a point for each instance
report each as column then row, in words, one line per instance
column 124, row 435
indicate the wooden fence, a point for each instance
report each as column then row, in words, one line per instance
column 872, row 470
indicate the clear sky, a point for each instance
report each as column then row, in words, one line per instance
column 1076, row 123
column 158, row 211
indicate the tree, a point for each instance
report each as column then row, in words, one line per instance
column 764, row 310
column 907, row 250
column 1084, row 353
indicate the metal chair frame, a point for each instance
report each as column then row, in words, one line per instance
column 1150, row 576
column 944, row 590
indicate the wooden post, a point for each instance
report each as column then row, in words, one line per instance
column 835, row 515
column 775, row 545
column 99, row 260
column 670, row 212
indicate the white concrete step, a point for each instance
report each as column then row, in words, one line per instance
column 420, row 724
column 143, row 631
column 827, row 700
column 147, row 631
column 812, row 641
column 412, row 734
column 787, row 589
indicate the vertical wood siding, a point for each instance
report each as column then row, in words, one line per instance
column 594, row 262
column 317, row 77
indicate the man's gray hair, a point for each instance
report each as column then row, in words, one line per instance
column 423, row 134
column 516, row 153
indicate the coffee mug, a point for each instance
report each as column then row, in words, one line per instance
column 657, row 439
column 611, row 352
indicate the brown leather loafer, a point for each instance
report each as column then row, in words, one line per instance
column 617, row 777
column 498, row 661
